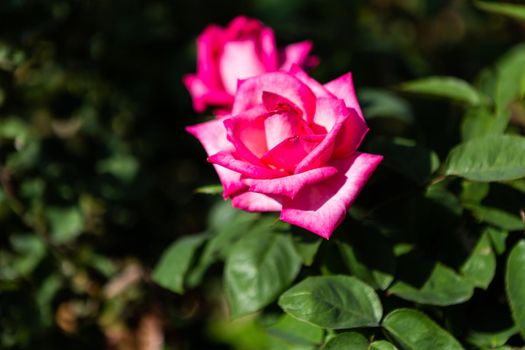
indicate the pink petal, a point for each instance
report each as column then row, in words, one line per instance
column 246, row 131
column 343, row 88
column 290, row 185
column 255, row 202
column 318, row 89
column 320, row 208
column 350, row 137
column 296, row 54
column 290, row 152
column 230, row 161
column 212, row 136
column 281, row 126
column 250, row 92
column 198, row 91
column 268, row 49
column 239, row 60
column 334, row 114
column 208, row 44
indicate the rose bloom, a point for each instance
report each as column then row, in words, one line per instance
column 244, row 49
column 290, row 145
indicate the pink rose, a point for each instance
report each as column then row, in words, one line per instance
column 244, row 49
column 290, row 145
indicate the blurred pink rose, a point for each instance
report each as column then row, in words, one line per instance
column 244, row 49
column 290, row 145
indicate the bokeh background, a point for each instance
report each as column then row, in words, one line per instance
column 98, row 175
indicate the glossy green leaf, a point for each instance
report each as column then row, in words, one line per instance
column 334, row 302
column 413, row 330
column 515, row 284
column 171, row 270
column 498, row 238
column 370, row 258
column 477, row 122
column 430, row 283
column 259, row 267
column 445, row 87
column 347, row 340
column 507, row 9
column 382, row 345
column 480, row 266
column 293, row 334
column 488, row 159
column 497, row 217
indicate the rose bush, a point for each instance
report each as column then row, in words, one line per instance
column 290, row 145
column 245, row 48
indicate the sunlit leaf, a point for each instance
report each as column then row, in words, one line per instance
column 488, row 159
column 413, row 330
column 334, row 302
column 515, row 284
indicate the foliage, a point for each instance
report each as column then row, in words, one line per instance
column 99, row 210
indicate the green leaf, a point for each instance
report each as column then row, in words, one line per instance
column 430, row 283
column 414, row 330
column 171, row 270
column 515, row 284
column 497, row 217
column 480, row 266
column 224, row 234
column 384, row 104
column 445, row 87
column 488, row 159
column 307, row 247
column 293, row 333
column 498, row 239
column 347, row 340
column 510, row 77
column 477, row 122
column 474, row 192
column 333, row 302
column 30, row 251
column 210, row 189
column 506, row 9
column 65, row 223
column 259, row 267
column 370, row 258
column 382, row 345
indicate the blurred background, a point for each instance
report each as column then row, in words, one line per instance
column 98, row 175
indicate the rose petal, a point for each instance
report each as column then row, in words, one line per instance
column 239, row 60
column 230, row 161
column 343, row 88
column 268, row 49
column 353, row 132
column 317, row 88
column 334, row 114
column 320, row 208
column 290, row 152
column 208, row 44
column 212, row 136
column 281, row 126
column 246, row 132
column 255, row 202
column 296, row 53
column 250, row 92
column 289, row 185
